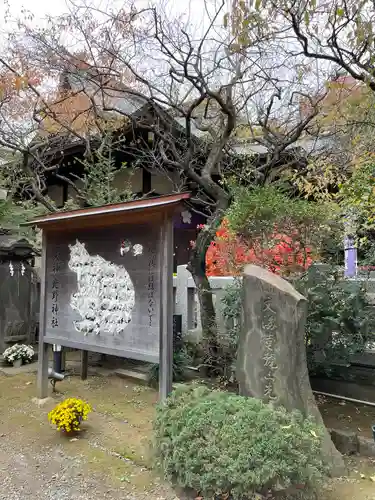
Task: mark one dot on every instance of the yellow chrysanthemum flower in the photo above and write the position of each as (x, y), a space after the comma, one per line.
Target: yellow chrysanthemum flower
(68, 414)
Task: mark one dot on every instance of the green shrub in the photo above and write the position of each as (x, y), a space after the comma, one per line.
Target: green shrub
(219, 443)
(340, 320)
(257, 213)
(181, 360)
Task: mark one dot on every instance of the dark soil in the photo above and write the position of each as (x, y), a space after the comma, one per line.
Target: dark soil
(340, 414)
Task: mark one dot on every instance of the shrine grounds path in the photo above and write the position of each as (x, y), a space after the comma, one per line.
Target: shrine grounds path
(111, 458)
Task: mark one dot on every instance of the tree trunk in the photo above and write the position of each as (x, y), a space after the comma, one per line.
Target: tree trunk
(197, 267)
(211, 360)
(272, 362)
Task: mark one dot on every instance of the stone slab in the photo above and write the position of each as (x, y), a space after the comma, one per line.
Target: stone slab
(346, 442)
(366, 447)
(132, 375)
(41, 402)
(28, 368)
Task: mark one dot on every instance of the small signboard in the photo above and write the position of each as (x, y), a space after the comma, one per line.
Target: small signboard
(107, 282)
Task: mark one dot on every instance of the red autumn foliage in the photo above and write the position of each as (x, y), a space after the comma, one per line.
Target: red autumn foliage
(284, 254)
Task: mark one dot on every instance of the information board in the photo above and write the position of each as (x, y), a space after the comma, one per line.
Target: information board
(103, 290)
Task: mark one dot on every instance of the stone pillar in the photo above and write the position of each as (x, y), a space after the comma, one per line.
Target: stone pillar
(182, 297)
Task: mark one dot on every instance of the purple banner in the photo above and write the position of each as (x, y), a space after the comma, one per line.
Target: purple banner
(350, 257)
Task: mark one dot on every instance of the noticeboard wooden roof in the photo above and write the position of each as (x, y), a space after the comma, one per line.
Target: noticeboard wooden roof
(109, 215)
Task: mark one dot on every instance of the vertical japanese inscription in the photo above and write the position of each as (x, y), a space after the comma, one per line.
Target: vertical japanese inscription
(269, 331)
(56, 266)
(151, 285)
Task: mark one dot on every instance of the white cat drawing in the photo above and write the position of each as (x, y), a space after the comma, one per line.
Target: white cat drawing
(105, 296)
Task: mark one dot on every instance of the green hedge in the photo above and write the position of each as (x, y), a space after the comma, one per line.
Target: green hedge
(220, 443)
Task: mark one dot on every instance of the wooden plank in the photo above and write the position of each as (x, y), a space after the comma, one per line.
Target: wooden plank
(42, 376)
(166, 309)
(101, 221)
(84, 364)
(120, 352)
(122, 213)
(156, 202)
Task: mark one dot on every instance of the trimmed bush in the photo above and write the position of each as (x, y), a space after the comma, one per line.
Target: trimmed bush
(219, 443)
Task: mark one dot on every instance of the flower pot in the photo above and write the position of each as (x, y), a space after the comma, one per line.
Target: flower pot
(17, 363)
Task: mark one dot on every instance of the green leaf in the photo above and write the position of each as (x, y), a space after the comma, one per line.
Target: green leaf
(307, 18)
(340, 12)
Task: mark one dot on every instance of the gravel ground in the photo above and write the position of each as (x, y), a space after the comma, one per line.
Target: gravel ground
(110, 458)
(43, 472)
(48, 474)
(38, 463)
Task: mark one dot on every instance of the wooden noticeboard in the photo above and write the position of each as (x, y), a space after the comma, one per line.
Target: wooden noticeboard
(107, 283)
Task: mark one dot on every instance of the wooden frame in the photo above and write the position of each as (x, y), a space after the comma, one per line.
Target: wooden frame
(166, 308)
(42, 377)
(160, 211)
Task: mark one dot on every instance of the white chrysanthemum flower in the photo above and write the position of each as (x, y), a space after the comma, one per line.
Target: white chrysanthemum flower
(18, 351)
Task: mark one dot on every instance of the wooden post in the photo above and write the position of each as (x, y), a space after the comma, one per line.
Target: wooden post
(42, 377)
(166, 309)
(84, 364)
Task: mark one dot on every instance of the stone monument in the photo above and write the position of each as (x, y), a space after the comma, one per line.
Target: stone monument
(272, 355)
